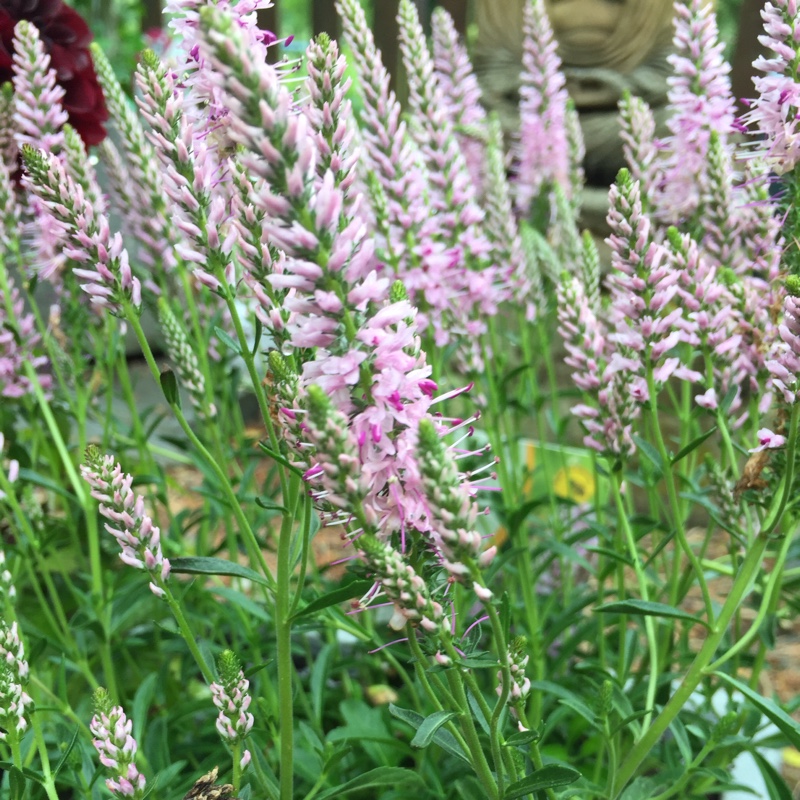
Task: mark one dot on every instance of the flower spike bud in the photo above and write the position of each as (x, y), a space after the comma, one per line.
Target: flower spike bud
(232, 697)
(15, 703)
(38, 113)
(329, 111)
(461, 92)
(405, 589)
(109, 278)
(453, 509)
(185, 361)
(8, 130)
(134, 530)
(520, 682)
(143, 182)
(638, 132)
(111, 731)
(542, 152)
(701, 101)
(80, 169)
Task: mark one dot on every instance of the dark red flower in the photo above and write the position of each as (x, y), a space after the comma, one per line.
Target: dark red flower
(66, 38)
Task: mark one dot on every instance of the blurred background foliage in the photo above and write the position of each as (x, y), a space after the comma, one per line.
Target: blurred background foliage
(124, 27)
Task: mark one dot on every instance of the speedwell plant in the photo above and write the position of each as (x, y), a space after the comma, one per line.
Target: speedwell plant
(500, 520)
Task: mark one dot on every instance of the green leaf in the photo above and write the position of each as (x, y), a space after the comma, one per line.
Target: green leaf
(34, 477)
(431, 724)
(206, 565)
(444, 739)
(270, 506)
(382, 777)
(776, 785)
(649, 452)
(141, 703)
(16, 781)
(479, 661)
(693, 445)
(257, 341)
(65, 754)
(787, 725)
(227, 340)
(523, 738)
(169, 385)
(30, 774)
(342, 594)
(319, 675)
(549, 776)
(648, 609)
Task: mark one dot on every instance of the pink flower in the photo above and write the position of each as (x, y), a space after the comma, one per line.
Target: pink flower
(117, 748)
(542, 150)
(774, 113)
(132, 527)
(767, 440)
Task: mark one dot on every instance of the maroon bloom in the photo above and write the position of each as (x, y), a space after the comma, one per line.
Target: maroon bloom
(66, 37)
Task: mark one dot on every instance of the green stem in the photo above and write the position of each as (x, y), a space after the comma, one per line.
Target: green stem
(251, 542)
(741, 586)
(649, 623)
(186, 631)
(675, 504)
(283, 627)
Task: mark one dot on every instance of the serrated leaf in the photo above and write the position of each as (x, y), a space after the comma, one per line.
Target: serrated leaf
(647, 608)
(207, 565)
(227, 340)
(430, 725)
(340, 595)
(550, 776)
(374, 779)
(444, 739)
(787, 725)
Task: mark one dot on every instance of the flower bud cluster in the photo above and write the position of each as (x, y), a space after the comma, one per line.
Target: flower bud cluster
(136, 181)
(407, 590)
(460, 92)
(8, 592)
(542, 150)
(38, 112)
(111, 281)
(15, 703)
(517, 663)
(133, 529)
(453, 509)
(329, 111)
(231, 696)
(117, 748)
(604, 376)
(702, 104)
(190, 172)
